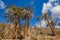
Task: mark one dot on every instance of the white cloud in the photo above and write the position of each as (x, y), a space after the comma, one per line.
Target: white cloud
(56, 4)
(57, 26)
(2, 5)
(46, 7)
(37, 25)
(52, 1)
(54, 9)
(43, 23)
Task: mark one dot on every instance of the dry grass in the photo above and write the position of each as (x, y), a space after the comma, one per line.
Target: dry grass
(40, 34)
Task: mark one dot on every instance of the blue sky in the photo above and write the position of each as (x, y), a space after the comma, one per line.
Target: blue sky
(39, 7)
(36, 6)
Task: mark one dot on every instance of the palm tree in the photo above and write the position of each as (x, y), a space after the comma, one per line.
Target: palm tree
(39, 18)
(58, 23)
(14, 16)
(27, 14)
(51, 24)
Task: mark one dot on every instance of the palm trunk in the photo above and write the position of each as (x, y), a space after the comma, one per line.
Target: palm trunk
(12, 25)
(26, 27)
(51, 26)
(18, 30)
